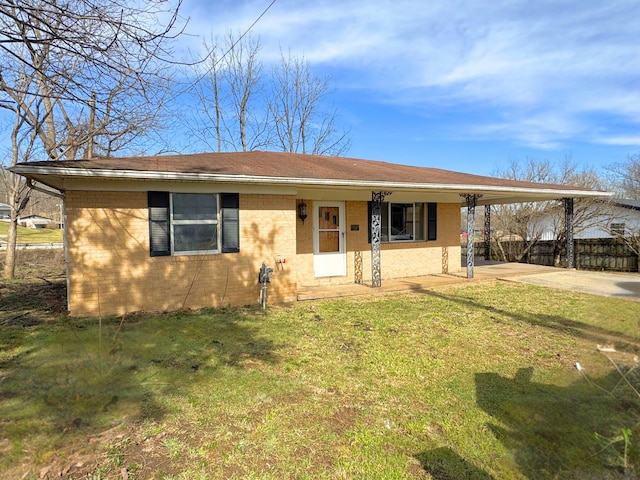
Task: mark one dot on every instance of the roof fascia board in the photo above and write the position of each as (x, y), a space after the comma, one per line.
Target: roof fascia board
(119, 185)
(28, 170)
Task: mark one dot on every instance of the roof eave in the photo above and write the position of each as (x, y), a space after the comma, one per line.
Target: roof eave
(35, 172)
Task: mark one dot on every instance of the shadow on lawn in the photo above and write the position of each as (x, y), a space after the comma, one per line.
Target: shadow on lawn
(78, 377)
(557, 432)
(560, 432)
(31, 303)
(552, 322)
(445, 464)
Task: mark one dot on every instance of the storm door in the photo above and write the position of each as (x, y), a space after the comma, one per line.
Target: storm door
(329, 257)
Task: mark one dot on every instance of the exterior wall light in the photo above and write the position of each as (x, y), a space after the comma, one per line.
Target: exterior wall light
(302, 211)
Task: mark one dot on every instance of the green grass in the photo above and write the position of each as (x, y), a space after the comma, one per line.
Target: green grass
(32, 235)
(461, 382)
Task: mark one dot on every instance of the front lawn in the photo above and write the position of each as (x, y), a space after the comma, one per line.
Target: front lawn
(472, 382)
(32, 235)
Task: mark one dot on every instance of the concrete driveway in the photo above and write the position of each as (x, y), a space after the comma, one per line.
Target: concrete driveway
(608, 284)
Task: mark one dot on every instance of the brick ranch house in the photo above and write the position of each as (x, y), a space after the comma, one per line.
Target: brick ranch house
(189, 231)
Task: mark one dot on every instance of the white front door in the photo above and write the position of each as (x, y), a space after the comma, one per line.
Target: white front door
(329, 257)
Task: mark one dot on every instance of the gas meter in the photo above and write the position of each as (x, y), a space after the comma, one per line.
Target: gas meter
(264, 278)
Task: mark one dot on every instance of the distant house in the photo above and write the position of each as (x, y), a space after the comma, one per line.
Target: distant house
(34, 221)
(191, 231)
(5, 211)
(609, 220)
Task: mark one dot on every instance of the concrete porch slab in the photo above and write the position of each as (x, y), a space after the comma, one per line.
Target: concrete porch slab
(483, 272)
(596, 283)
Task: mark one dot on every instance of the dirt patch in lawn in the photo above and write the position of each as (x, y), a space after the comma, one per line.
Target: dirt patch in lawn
(28, 303)
(38, 292)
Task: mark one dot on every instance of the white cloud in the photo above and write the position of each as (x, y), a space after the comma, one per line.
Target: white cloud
(539, 130)
(630, 141)
(551, 67)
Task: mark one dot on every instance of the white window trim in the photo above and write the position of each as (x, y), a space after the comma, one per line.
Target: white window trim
(424, 223)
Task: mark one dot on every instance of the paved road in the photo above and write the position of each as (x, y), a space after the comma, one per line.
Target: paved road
(33, 246)
(596, 283)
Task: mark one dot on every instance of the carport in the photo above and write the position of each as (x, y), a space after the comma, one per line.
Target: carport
(475, 199)
(494, 192)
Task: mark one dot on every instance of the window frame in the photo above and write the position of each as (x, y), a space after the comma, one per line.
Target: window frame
(618, 228)
(385, 224)
(162, 221)
(393, 210)
(213, 221)
(429, 222)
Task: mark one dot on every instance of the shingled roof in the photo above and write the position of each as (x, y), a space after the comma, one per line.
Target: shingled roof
(300, 170)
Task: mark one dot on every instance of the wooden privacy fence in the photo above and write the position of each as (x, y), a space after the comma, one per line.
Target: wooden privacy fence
(593, 254)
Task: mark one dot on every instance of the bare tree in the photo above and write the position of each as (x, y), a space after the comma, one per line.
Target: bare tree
(22, 145)
(620, 221)
(533, 221)
(628, 235)
(103, 37)
(518, 227)
(242, 108)
(625, 177)
(301, 125)
(230, 93)
(243, 75)
(210, 98)
(79, 78)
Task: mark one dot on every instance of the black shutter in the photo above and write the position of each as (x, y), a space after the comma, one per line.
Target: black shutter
(230, 209)
(159, 239)
(432, 221)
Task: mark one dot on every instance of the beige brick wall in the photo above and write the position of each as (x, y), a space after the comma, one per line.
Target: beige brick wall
(398, 260)
(111, 272)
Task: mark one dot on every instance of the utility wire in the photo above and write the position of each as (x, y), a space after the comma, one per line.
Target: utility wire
(244, 34)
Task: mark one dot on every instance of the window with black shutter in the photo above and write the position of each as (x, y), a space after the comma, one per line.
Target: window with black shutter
(230, 203)
(400, 222)
(159, 235)
(193, 223)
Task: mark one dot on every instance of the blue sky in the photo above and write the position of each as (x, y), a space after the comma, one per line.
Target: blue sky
(461, 85)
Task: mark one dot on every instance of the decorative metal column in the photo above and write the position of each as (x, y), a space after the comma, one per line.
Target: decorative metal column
(568, 225)
(357, 267)
(487, 232)
(445, 260)
(471, 201)
(376, 230)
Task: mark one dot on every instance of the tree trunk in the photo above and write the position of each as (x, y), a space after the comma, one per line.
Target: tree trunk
(503, 256)
(12, 235)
